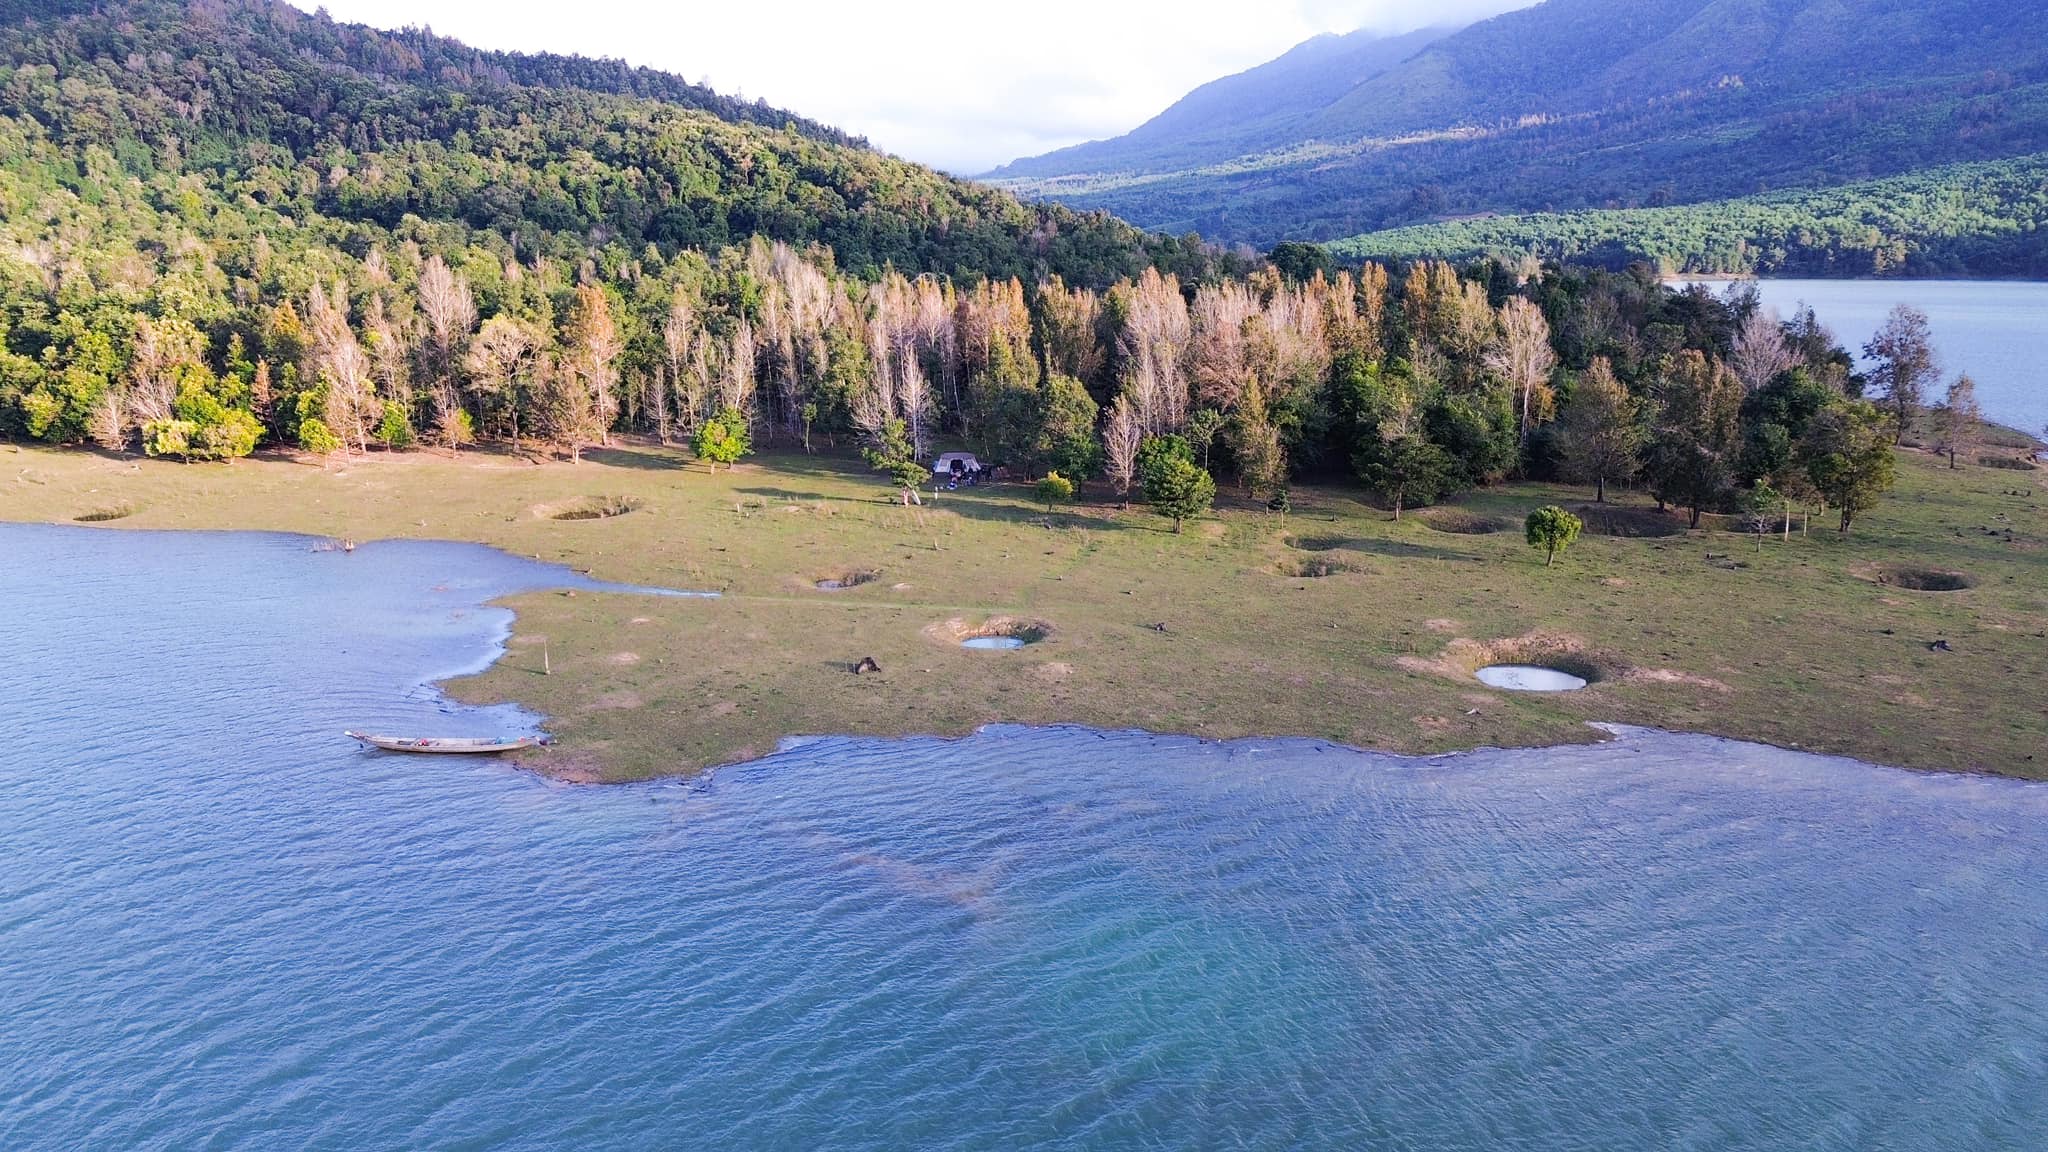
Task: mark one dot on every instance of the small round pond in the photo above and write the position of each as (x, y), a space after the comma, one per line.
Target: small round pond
(1530, 678)
(995, 642)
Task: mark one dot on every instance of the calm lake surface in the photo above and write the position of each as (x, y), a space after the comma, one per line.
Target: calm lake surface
(1997, 331)
(223, 926)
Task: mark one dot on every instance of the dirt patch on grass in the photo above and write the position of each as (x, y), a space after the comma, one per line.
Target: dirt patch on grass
(615, 702)
(1673, 676)
(1463, 523)
(592, 508)
(1643, 523)
(958, 630)
(1924, 579)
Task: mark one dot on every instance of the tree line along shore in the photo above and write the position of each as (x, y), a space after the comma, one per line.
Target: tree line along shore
(1417, 383)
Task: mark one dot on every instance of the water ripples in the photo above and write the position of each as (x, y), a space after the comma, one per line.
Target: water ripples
(223, 925)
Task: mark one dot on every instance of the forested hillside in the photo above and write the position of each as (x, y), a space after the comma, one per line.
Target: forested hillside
(1986, 219)
(1578, 104)
(1237, 114)
(217, 236)
(236, 116)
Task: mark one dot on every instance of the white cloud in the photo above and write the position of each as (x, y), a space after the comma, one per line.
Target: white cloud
(963, 86)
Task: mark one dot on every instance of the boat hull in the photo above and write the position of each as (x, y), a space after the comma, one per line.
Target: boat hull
(446, 746)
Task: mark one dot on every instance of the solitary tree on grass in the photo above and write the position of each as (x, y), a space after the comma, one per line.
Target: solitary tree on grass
(1175, 485)
(1959, 419)
(723, 439)
(1904, 351)
(1054, 489)
(1551, 529)
(1405, 469)
(893, 453)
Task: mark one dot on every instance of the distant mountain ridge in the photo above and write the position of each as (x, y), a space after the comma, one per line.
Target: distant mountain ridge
(1222, 118)
(1576, 104)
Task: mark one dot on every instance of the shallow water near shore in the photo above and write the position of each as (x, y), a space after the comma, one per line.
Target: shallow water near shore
(223, 925)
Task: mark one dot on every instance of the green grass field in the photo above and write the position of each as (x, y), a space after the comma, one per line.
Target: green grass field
(1810, 643)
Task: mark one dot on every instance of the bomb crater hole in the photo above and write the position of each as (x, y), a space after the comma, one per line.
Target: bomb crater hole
(1529, 678)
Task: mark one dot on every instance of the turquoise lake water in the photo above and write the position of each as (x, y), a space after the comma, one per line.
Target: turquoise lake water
(224, 926)
(1995, 330)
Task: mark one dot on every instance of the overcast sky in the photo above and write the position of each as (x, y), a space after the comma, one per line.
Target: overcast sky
(954, 83)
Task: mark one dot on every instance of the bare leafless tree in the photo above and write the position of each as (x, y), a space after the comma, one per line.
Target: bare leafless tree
(1121, 436)
(678, 337)
(1522, 356)
(450, 313)
(501, 364)
(594, 347)
(1760, 354)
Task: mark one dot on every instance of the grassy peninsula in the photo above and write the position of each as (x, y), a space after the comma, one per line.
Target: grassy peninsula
(1809, 643)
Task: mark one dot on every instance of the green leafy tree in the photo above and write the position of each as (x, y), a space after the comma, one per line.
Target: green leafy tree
(1054, 489)
(1406, 469)
(317, 438)
(1261, 460)
(1203, 426)
(1175, 486)
(394, 431)
(1848, 457)
(1066, 441)
(1155, 453)
(1904, 352)
(1551, 530)
(723, 438)
(893, 453)
(1697, 439)
(1601, 433)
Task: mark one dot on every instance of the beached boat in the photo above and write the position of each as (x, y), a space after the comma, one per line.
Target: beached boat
(448, 745)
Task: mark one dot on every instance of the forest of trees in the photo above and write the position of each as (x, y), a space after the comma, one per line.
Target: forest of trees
(227, 224)
(1988, 219)
(1418, 384)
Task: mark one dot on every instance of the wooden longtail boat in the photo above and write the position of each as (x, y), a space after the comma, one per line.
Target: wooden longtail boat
(455, 746)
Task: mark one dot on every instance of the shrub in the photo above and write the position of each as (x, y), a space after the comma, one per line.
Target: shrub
(723, 439)
(1552, 529)
(1055, 489)
(395, 430)
(317, 438)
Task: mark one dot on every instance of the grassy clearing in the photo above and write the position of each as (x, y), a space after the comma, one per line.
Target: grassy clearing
(1222, 632)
